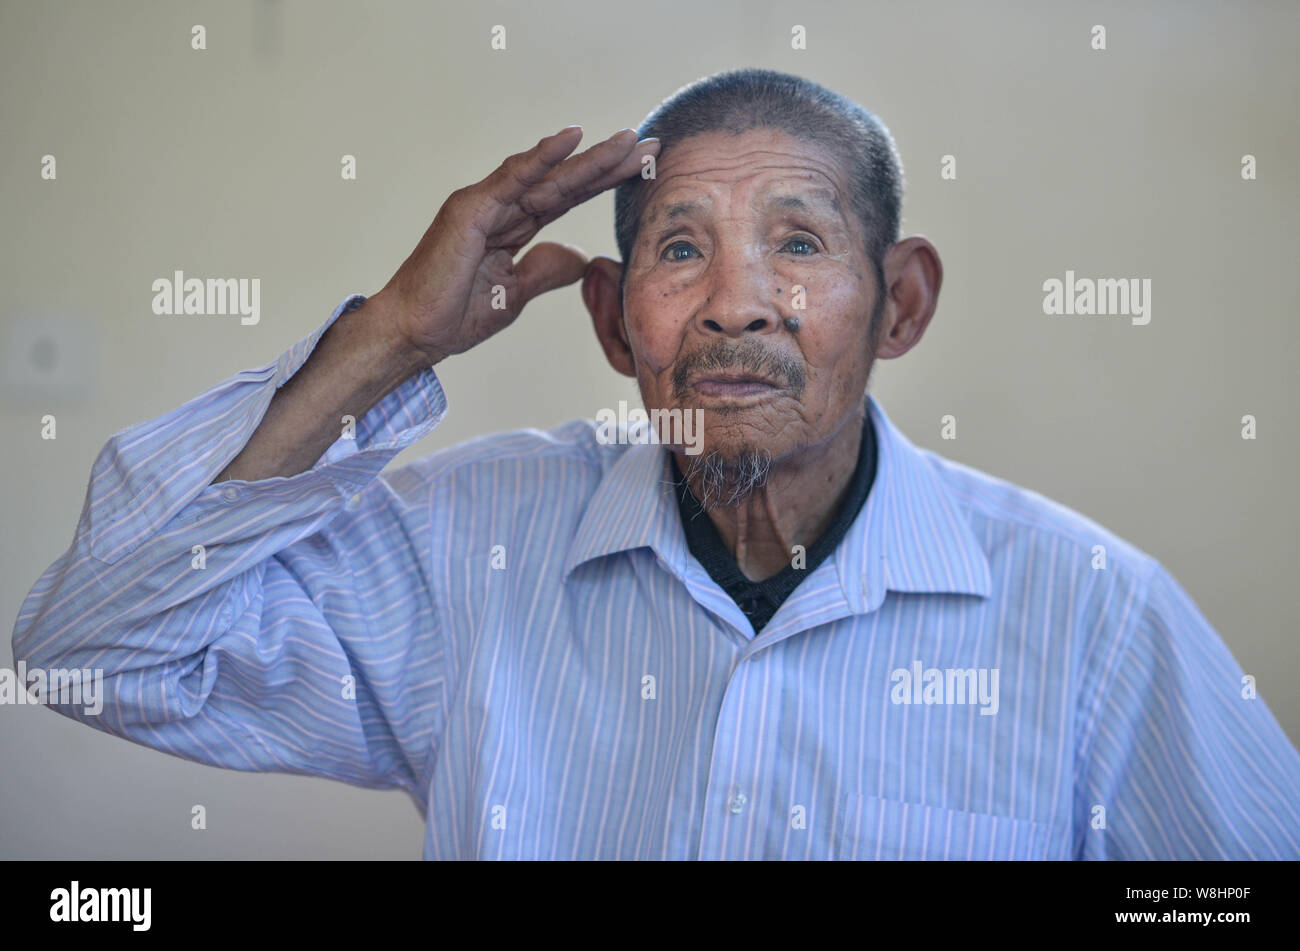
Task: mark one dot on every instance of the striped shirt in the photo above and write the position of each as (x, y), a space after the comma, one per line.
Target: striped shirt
(514, 632)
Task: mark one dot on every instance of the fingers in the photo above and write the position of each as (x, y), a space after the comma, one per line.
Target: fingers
(584, 176)
(549, 265)
(558, 183)
(523, 170)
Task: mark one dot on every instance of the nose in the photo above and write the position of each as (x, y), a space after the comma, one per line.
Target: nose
(742, 299)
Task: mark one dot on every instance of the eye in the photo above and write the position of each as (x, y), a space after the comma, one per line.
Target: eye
(806, 242)
(670, 251)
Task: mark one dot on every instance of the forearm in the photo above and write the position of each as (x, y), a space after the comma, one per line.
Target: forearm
(175, 593)
(358, 361)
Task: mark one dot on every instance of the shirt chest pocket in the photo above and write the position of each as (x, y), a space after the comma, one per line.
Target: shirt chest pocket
(871, 828)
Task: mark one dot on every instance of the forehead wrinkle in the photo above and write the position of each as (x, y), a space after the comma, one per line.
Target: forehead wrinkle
(825, 196)
(792, 157)
(817, 198)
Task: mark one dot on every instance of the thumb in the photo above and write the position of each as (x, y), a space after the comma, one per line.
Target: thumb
(549, 265)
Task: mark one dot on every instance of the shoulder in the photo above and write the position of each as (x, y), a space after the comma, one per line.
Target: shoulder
(516, 467)
(1121, 607)
(1012, 519)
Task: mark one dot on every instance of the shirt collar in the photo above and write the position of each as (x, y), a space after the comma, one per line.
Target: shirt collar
(911, 535)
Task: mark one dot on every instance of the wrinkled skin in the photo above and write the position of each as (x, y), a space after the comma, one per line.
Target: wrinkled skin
(717, 282)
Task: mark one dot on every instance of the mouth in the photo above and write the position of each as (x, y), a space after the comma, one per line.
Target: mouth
(733, 385)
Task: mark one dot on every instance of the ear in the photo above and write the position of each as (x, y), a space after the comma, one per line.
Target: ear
(600, 294)
(913, 275)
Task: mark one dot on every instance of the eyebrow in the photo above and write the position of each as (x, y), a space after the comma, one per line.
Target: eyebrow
(678, 209)
(795, 203)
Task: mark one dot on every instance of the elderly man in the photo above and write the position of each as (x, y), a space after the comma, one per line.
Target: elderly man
(810, 639)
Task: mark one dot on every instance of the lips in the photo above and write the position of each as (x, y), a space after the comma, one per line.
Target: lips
(732, 384)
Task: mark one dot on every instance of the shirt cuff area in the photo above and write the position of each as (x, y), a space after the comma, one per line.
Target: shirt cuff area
(161, 471)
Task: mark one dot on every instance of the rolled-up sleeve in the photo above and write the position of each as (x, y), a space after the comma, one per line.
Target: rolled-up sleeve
(1184, 759)
(284, 624)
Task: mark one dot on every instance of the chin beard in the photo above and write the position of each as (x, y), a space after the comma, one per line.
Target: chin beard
(728, 480)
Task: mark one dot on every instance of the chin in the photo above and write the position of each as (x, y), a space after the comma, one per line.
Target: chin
(733, 450)
(728, 477)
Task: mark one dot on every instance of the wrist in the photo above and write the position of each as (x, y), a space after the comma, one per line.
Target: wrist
(402, 353)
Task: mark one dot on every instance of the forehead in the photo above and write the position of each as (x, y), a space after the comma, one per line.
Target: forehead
(768, 169)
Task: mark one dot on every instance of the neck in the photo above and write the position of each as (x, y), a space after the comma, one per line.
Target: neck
(794, 507)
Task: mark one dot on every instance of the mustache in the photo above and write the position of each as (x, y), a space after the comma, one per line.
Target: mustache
(748, 356)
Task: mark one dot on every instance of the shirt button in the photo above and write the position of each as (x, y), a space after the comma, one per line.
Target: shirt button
(230, 493)
(736, 804)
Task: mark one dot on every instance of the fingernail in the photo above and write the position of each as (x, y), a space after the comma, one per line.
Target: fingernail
(567, 128)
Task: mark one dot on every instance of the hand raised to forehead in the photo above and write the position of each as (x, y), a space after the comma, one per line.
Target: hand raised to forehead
(531, 190)
(461, 284)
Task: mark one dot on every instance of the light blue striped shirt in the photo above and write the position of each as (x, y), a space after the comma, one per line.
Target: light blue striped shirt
(513, 631)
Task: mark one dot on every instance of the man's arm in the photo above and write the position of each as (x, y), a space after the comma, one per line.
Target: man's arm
(238, 609)
(457, 288)
(359, 360)
(1184, 760)
(252, 625)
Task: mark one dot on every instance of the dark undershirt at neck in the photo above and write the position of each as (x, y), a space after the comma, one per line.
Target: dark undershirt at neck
(759, 600)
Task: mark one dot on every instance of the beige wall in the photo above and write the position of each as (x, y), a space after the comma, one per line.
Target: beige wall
(1122, 163)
